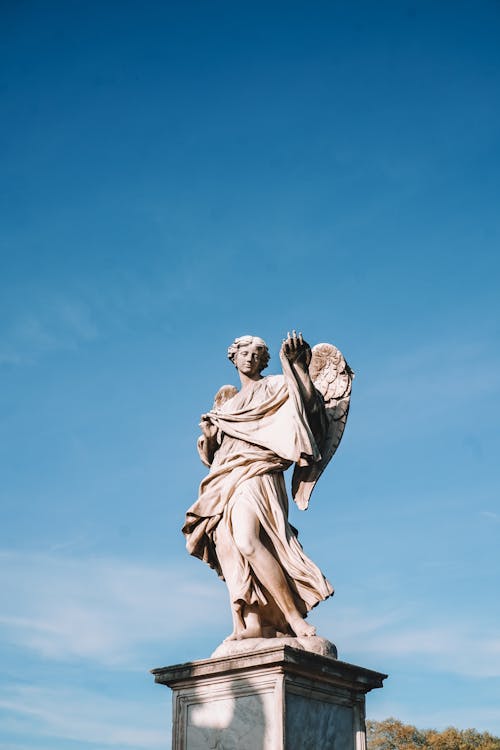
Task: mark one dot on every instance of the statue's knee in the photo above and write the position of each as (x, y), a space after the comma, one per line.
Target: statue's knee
(246, 546)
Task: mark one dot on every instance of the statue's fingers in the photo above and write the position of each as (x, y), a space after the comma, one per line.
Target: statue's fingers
(301, 340)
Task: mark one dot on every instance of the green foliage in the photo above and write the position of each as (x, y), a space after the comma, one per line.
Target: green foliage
(392, 734)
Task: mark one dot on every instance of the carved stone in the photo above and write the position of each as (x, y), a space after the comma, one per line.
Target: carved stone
(277, 698)
(272, 684)
(239, 524)
(312, 643)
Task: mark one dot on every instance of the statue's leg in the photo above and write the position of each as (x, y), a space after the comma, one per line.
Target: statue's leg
(246, 534)
(231, 564)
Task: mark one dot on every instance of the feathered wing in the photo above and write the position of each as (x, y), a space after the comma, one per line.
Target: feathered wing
(224, 393)
(332, 378)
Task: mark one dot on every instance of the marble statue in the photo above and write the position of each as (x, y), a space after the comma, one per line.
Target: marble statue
(239, 523)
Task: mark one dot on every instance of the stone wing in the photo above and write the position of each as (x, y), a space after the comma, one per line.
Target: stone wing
(332, 378)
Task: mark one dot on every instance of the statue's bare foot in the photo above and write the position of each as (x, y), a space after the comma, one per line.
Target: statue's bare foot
(236, 635)
(301, 628)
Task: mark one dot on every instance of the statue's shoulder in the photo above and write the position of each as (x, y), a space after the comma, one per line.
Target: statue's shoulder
(279, 378)
(274, 382)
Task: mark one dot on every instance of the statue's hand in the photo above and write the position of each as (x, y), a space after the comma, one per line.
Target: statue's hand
(208, 428)
(296, 350)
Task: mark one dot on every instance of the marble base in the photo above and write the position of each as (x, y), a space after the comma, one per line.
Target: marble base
(275, 698)
(314, 643)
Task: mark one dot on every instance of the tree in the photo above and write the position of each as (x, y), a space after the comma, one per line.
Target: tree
(392, 734)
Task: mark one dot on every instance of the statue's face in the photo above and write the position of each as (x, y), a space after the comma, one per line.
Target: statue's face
(248, 359)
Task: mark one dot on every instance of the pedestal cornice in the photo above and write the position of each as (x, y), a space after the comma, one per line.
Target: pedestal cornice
(283, 659)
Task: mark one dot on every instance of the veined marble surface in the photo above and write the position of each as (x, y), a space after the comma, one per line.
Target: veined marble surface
(243, 723)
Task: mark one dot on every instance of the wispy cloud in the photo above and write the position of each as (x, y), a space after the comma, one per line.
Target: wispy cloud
(61, 324)
(490, 515)
(37, 321)
(104, 610)
(425, 385)
(79, 715)
(469, 647)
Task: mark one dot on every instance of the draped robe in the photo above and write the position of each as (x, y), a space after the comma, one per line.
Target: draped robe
(262, 430)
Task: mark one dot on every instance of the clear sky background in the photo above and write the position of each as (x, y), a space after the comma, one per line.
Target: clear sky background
(177, 174)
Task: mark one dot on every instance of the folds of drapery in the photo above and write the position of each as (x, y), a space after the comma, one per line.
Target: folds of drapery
(263, 429)
(270, 413)
(268, 498)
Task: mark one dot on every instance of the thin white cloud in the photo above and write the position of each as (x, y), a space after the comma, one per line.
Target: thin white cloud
(80, 715)
(36, 322)
(469, 651)
(96, 613)
(426, 384)
(104, 610)
(61, 324)
(107, 611)
(470, 647)
(490, 515)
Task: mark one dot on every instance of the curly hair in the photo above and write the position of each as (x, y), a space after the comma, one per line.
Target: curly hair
(249, 341)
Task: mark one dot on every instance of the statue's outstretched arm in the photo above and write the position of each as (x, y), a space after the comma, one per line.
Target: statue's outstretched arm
(298, 353)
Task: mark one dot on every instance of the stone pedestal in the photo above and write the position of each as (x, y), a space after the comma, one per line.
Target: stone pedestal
(278, 698)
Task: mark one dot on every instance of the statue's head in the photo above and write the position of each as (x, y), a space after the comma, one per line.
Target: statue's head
(253, 343)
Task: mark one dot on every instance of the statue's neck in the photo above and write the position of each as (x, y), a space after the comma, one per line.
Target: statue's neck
(247, 381)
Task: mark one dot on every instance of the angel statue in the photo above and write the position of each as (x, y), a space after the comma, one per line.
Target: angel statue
(239, 524)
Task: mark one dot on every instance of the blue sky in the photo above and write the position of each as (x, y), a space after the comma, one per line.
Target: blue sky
(175, 175)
